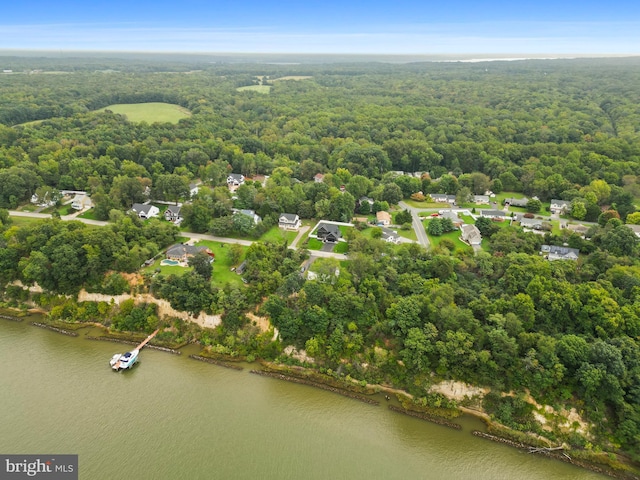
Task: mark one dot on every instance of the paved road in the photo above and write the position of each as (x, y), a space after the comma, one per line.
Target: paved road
(417, 224)
(196, 237)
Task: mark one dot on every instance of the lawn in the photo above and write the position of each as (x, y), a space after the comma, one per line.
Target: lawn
(222, 273)
(89, 214)
(453, 236)
(266, 89)
(341, 247)
(410, 234)
(165, 269)
(150, 112)
(66, 210)
(414, 204)
(313, 244)
(276, 235)
(24, 221)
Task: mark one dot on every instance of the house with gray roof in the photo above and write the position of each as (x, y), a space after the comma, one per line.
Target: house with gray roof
(390, 236)
(289, 221)
(470, 234)
(532, 223)
(145, 211)
(497, 214)
(516, 202)
(559, 206)
(442, 198)
(249, 213)
(172, 214)
(481, 199)
(181, 252)
(235, 179)
(553, 252)
(328, 232)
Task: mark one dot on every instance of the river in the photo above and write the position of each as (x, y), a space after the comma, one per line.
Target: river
(172, 417)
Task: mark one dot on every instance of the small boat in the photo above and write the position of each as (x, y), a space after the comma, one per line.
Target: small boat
(124, 361)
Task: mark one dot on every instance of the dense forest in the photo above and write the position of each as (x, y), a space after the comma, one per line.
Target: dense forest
(566, 332)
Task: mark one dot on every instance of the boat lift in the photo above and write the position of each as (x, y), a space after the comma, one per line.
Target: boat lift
(127, 360)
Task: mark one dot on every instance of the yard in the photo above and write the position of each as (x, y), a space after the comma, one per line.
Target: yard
(222, 273)
(276, 235)
(454, 236)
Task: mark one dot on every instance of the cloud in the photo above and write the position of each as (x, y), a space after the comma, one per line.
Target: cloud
(488, 37)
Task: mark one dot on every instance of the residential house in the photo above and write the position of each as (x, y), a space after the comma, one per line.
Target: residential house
(470, 234)
(251, 214)
(481, 199)
(579, 229)
(389, 235)
(318, 178)
(532, 223)
(172, 214)
(181, 252)
(145, 211)
(553, 252)
(368, 200)
(516, 202)
(194, 188)
(442, 198)
(235, 179)
(451, 215)
(494, 214)
(289, 221)
(634, 228)
(383, 219)
(328, 232)
(81, 201)
(559, 206)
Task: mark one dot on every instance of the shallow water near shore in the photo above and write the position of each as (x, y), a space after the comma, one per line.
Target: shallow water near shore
(172, 417)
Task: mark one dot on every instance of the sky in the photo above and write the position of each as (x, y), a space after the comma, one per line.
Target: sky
(307, 26)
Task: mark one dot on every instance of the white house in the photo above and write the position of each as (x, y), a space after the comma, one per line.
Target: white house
(81, 201)
(383, 218)
(497, 214)
(251, 214)
(470, 234)
(145, 211)
(193, 189)
(289, 221)
(389, 235)
(442, 198)
(559, 206)
(172, 214)
(235, 179)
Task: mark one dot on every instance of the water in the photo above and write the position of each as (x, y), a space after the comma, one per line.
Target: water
(175, 418)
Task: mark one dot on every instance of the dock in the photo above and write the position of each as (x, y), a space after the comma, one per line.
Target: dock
(130, 357)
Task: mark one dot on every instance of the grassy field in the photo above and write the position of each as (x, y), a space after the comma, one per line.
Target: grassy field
(314, 244)
(222, 273)
(414, 204)
(89, 214)
(266, 89)
(150, 112)
(24, 221)
(276, 235)
(341, 247)
(453, 236)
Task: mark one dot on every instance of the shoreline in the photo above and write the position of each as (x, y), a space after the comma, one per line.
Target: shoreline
(273, 371)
